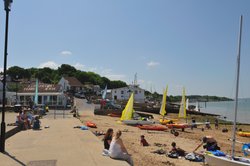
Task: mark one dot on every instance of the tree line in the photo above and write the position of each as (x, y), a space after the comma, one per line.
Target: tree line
(52, 76)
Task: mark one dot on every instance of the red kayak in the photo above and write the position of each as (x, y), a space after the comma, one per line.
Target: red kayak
(178, 125)
(114, 114)
(152, 127)
(91, 124)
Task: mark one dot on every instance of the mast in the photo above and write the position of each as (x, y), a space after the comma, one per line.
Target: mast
(237, 88)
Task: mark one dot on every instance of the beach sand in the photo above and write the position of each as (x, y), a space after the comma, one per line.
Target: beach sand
(143, 156)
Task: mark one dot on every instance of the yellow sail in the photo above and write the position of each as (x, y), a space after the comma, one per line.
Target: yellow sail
(163, 103)
(127, 113)
(182, 111)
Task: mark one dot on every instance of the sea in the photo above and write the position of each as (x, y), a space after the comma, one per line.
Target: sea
(226, 109)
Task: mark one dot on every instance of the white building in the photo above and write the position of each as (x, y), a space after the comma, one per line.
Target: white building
(49, 94)
(125, 92)
(70, 84)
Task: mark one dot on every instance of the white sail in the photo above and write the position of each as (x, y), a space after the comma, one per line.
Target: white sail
(187, 104)
(182, 110)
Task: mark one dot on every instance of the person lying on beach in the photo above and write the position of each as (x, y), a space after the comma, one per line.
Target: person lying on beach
(143, 141)
(117, 149)
(209, 143)
(108, 138)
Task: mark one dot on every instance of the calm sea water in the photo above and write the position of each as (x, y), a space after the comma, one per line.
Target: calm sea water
(226, 109)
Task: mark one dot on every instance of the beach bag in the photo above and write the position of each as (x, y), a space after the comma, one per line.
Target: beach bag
(246, 149)
(173, 155)
(193, 157)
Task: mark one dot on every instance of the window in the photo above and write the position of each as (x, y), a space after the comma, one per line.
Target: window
(122, 92)
(136, 92)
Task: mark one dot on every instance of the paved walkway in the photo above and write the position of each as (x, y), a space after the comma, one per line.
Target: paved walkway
(60, 145)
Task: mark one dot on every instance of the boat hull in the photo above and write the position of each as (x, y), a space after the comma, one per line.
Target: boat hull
(137, 122)
(166, 121)
(244, 134)
(212, 160)
(151, 127)
(178, 125)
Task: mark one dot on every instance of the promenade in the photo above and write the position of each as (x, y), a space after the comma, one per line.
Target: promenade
(58, 144)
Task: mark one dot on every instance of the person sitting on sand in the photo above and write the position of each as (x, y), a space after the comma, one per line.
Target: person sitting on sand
(24, 118)
(36, 123)
(210, 144)
(144, 141)
(179, 151)
(117, 149)
(108, 138)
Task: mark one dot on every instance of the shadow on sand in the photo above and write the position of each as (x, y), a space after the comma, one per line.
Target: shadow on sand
(14, 158)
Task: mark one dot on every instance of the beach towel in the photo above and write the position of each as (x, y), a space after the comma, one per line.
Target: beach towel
(173, 155)
(194, 157)
(84, 128)
(246, 149)
(217, 153)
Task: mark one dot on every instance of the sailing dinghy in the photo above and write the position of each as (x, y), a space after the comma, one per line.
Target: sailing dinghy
(127, 114)
(213, 160)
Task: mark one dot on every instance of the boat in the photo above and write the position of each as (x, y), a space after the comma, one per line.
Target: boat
(231, 160)
(197, 107)
(163, 111)
(104, 93)
(244, 134)
(166, 121)
(128, 112)
(152, 127)
(182, 110)
(114, 114)
(178, 125)
(91, 124)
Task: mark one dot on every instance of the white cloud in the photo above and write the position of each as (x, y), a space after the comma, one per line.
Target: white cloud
(115, 76)
(152, 64)
(1, 69)
(49, 64)
(66, 53)
(92, 69)
(141, 81)
(79, 66)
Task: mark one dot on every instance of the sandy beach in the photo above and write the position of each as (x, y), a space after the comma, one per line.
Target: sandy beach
(143, 156)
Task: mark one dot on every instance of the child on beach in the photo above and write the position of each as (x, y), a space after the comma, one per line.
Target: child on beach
(144, 141)
(36, 123)
(179, 151)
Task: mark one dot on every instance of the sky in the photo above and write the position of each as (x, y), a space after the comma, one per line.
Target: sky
(179, 43)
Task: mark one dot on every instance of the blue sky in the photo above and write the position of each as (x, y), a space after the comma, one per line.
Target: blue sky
(178, 43)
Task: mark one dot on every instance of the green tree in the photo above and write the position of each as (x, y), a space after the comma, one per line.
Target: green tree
(66, 70)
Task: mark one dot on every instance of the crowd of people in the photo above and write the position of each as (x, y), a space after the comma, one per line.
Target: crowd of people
(114, 147)
(26, 120)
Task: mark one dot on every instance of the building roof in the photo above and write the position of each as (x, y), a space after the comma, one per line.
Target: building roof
(73, 81)
(42, 87)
